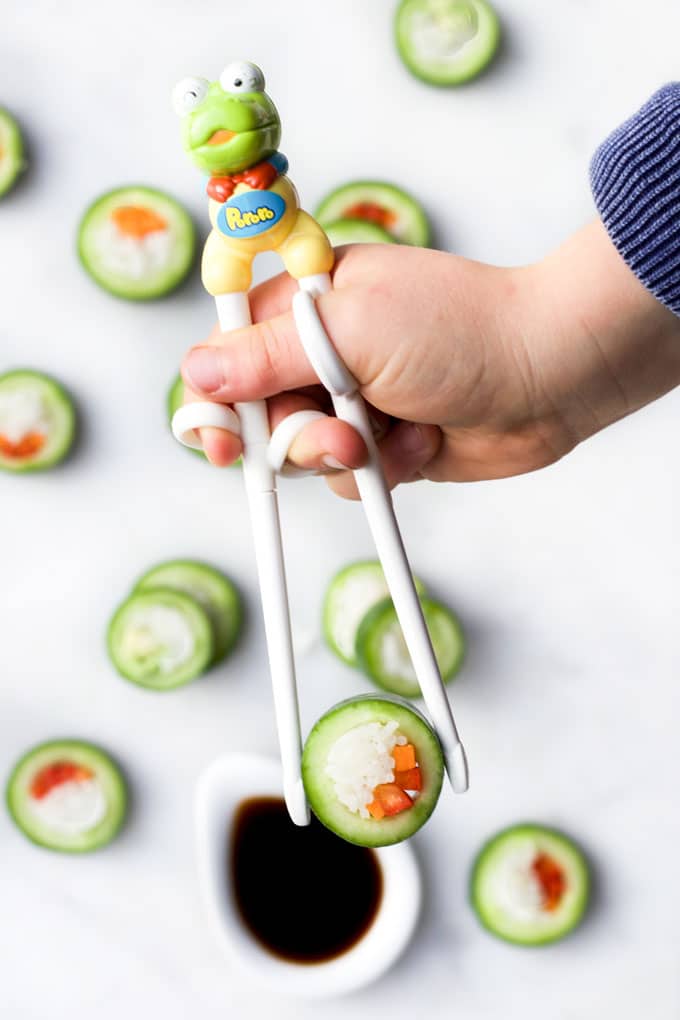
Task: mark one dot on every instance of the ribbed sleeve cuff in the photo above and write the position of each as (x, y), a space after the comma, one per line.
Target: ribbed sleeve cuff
(635, 180)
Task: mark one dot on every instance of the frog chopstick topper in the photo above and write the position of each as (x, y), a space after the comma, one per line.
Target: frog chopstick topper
(231, 131)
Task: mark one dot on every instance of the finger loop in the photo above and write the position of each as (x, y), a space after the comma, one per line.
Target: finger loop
(199, 415)
(283, 437)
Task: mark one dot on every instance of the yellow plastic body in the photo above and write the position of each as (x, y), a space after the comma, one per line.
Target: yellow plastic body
(297, 237)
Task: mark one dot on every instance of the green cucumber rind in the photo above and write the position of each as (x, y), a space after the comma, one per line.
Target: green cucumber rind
(64, 401)
(329, 208)
(169, 283)
(452, 79)
(581, 870)
(327, 607)
(374, 234)
(352, 828)
(115, 818)
(14, 149)
(367, 629)
(226, 618)
(200, 662)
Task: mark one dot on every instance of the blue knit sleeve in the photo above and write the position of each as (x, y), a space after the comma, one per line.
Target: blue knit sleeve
(635, 180)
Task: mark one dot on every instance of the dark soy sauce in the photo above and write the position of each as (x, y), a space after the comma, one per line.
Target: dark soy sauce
(304, 893)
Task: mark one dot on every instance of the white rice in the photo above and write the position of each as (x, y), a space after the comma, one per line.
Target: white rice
(516, 887)
(440, 36)
(360, 760)
(394, 656)
(159, 631)
(351, 601)
(22, 411)
(134, 257)
(72, 807)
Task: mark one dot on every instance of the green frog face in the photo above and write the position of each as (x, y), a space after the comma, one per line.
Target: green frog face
(230, 124)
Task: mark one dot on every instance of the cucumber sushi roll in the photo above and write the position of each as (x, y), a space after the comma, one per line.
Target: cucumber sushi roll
(382, 204)
(446, 42)
(372, 770)
(356, 231)
(530, 885)
(160, 639)
(210, 588)
(382, 653)
(11, 151)
(67, 795)
(351, 593)
(37, 421)
(136, 242)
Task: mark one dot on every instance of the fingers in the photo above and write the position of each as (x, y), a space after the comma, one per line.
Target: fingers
(247, 364)
(322, 445)
(267, 358)
(404, 452)
(273, 297)
(250, 364)
(221, 448)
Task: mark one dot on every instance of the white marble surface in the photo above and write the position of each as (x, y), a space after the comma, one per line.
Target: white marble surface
(567, 580)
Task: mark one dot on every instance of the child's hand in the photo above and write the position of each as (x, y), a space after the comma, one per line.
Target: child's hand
(479, 372)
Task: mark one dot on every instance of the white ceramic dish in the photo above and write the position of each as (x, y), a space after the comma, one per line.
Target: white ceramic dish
(222, 787)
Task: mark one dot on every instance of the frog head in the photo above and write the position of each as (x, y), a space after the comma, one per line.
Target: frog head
(230, 124)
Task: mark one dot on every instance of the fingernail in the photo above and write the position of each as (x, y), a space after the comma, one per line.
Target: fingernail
(413, 439)
(203, 368)
(332, 462)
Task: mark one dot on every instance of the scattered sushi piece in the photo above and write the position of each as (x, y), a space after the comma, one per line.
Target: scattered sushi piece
(351, 593)
(372, 770)
(137, 242)
(160, 639)
(446, 42)
(12, 160)
(530, 885)
(382, 654)
(67, 795)
(211, 589)
(357, 231)
(379, 203)
(37, 421)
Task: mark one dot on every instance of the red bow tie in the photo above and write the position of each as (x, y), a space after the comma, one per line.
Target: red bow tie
(258, 177)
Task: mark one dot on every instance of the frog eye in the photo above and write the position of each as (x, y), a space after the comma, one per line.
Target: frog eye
(187, 94)
(242, 77)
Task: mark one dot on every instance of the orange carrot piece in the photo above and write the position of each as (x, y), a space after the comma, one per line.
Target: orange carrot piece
(136, 220)
(372, 212)
(28, 445)
(375, 809)
(55, 774)
(409, 779)
(392, 798)
(404, 757)
(551, 878)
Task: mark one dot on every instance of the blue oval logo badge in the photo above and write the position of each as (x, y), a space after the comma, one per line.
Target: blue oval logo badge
(250, 213)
